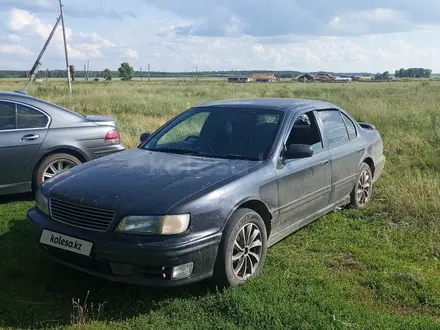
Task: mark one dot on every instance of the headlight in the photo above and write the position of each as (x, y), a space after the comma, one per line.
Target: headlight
(42, 203)
(162, 225)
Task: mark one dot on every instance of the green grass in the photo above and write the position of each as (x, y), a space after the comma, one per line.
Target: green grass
(373, 269)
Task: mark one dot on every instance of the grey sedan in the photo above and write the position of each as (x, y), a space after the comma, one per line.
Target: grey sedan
(38, 140)
(207, 194)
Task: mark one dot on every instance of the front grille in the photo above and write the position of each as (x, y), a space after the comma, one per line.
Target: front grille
(81, 216)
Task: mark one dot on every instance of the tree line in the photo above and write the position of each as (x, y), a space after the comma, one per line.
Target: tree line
(129, 72)
(413, 73)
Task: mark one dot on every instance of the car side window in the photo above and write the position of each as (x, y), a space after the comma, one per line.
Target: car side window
(352, 133)
(7, 116)
(30, 118)
(305, 130)
(334, 127)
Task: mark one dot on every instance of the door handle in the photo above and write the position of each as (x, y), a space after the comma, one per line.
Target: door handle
(30, 137)
(325, 163)
(360, 151)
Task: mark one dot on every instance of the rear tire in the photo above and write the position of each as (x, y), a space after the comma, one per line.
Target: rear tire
(243, 249)
(363, 188)
(52, 165)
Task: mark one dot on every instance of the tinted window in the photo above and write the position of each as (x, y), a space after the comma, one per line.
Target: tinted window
(220, 132)
(30, 118)
(186, 129)
(7, 116)
(352, 134)
(305, 131)
(334, 127)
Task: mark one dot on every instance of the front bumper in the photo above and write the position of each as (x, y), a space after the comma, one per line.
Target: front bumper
(111, 256)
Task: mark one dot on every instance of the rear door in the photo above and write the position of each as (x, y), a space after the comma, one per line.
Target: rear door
(346, 151)
(22, 131)
(304, 184)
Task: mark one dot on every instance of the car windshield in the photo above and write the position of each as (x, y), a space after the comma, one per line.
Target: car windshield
(231, 133)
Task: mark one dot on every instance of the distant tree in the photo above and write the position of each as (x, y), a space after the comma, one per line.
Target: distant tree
(378, 76)
(386, 75)
(414, 73)
(126, 71)
(397, 74)
(107, 74)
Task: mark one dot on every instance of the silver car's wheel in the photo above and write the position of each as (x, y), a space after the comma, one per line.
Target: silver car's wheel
(364, 187)
(247, 251)
(51, 166)
(56, 167)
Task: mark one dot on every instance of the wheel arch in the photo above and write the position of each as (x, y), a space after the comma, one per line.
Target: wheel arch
(60, 150)
(369, 161)
(259, 207)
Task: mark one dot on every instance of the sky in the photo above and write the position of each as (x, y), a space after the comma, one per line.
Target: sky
(180, 35)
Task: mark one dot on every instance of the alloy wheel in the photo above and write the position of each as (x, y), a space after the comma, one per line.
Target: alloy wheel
(247, 251)
(56, 167)
(364, 187)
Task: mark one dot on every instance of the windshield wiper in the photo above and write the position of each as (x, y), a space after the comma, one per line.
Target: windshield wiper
(176, 151)
(234, 156)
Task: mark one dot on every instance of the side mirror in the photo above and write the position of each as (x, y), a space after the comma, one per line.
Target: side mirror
(295, 151)
(145, 136)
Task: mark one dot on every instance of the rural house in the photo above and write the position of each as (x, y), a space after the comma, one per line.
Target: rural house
(239, 79)
(264, 77)
(315, 77)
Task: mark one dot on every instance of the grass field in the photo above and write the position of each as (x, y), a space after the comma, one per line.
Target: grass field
(373, 269)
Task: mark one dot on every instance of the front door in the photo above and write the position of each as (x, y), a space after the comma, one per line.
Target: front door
(304, 184)
(22, 130)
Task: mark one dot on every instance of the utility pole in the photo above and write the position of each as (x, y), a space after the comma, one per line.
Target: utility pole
(196, 73)
(37, 64)
(88, 67)
(149, 75)
(85, 72)
(65, 48)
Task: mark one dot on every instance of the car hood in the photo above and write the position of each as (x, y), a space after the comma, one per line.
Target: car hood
(140, 181)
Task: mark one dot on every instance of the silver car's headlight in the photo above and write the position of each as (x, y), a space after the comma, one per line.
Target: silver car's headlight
(161, 225)
(42, 202)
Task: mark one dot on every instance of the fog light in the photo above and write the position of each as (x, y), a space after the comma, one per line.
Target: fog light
(122, 269)
(182, 271)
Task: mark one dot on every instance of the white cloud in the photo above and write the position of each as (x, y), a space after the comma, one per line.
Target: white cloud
(131, 53)
(14, 38)
(369, 21)
(96, 38)
(14, 49)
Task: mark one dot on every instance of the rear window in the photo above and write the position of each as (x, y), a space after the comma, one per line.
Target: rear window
(30, 118)
(334, 127)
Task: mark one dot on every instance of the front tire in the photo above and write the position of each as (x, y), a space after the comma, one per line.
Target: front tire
(52, 165)
(363, 188)
(243, 249)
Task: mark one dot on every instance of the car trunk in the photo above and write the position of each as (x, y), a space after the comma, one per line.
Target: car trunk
(103, 120)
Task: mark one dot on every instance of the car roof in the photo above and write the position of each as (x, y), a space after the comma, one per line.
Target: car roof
(281, 104)
(16, 94)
